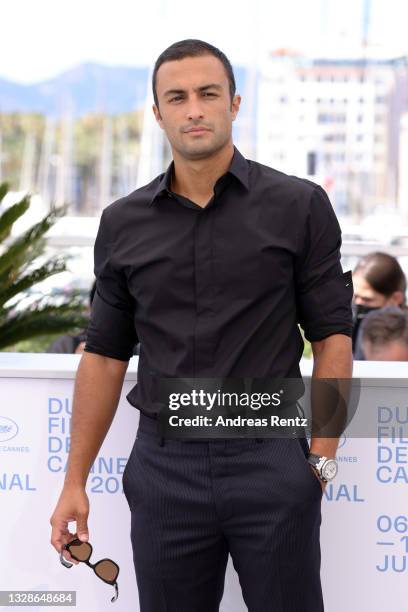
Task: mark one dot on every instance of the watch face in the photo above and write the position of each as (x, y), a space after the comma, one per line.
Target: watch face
(329, 469)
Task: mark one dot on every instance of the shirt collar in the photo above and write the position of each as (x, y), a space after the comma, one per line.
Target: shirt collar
(238, 168)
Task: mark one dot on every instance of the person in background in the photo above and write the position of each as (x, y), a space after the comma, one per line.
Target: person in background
(378, 281)
(384, 334)
(68, 343)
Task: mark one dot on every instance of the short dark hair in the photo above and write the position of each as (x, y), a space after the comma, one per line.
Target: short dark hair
(192, 47)
(382, 272)
(385, 325)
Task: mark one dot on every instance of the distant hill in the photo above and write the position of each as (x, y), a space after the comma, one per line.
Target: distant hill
(86, 88)
(89, 87)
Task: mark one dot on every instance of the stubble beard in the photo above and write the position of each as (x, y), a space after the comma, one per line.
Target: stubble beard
(203, 150)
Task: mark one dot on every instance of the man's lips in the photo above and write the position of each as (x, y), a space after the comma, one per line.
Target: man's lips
(197, 129)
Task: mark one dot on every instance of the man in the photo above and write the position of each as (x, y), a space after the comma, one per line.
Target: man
(384, 334)
(211, 266)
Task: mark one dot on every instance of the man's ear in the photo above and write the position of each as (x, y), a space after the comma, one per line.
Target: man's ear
(396, 298)
(236, 101)
(157, 115)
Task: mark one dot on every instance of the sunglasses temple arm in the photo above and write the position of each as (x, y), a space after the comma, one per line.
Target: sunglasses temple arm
(65, 563)
(114, 598)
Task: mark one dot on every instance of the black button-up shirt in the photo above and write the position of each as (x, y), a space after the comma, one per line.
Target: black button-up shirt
(218, 291)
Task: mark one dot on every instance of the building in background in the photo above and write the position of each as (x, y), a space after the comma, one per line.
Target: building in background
(403, 166)
(336, 122)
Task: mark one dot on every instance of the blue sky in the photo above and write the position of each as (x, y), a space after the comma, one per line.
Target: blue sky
(40, 39)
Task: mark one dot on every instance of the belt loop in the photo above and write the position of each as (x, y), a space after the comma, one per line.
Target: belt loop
(161, 441)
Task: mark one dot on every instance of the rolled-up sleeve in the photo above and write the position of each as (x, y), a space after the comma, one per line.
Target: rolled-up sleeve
(323, 291)
(111, 330)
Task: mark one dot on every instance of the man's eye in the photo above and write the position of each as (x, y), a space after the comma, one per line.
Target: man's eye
(209, 93)
(176, 98)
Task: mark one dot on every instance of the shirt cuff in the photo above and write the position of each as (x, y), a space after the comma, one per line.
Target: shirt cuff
(326, 309)
(111, 331)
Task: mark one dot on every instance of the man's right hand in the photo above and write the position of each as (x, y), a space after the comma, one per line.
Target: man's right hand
(73, 505)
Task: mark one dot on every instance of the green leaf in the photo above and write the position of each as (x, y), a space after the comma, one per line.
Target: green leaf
(27, 281)
(10, 216)
(4, 188)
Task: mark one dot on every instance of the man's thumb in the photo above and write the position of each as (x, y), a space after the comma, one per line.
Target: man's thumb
(82, 531)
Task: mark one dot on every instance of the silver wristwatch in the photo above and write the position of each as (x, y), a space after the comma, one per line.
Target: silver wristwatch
(325, 468)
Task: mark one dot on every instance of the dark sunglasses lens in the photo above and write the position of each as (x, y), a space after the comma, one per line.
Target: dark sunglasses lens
(82, 551)
(106, 570)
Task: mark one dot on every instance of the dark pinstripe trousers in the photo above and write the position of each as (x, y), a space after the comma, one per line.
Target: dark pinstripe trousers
(194, 502)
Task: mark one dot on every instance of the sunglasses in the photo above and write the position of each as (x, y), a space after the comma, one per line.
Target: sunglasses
(106, 569)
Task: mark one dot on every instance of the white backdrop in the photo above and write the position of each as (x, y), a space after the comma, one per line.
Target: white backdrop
(365, 511)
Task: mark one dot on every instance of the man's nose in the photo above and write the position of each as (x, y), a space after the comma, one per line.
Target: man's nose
(195, 109)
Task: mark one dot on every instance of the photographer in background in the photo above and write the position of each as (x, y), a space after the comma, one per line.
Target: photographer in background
(378, 281)
(68, 343)
(384, 334)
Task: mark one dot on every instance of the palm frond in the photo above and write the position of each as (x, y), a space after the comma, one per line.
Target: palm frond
(53, 319)
(7, 291)
(21, 246)
(4, 188)
(11, 214)
(22, 266)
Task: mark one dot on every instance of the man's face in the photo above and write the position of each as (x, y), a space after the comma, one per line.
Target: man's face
(365, 295)
(395, 350)
(194, 105)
